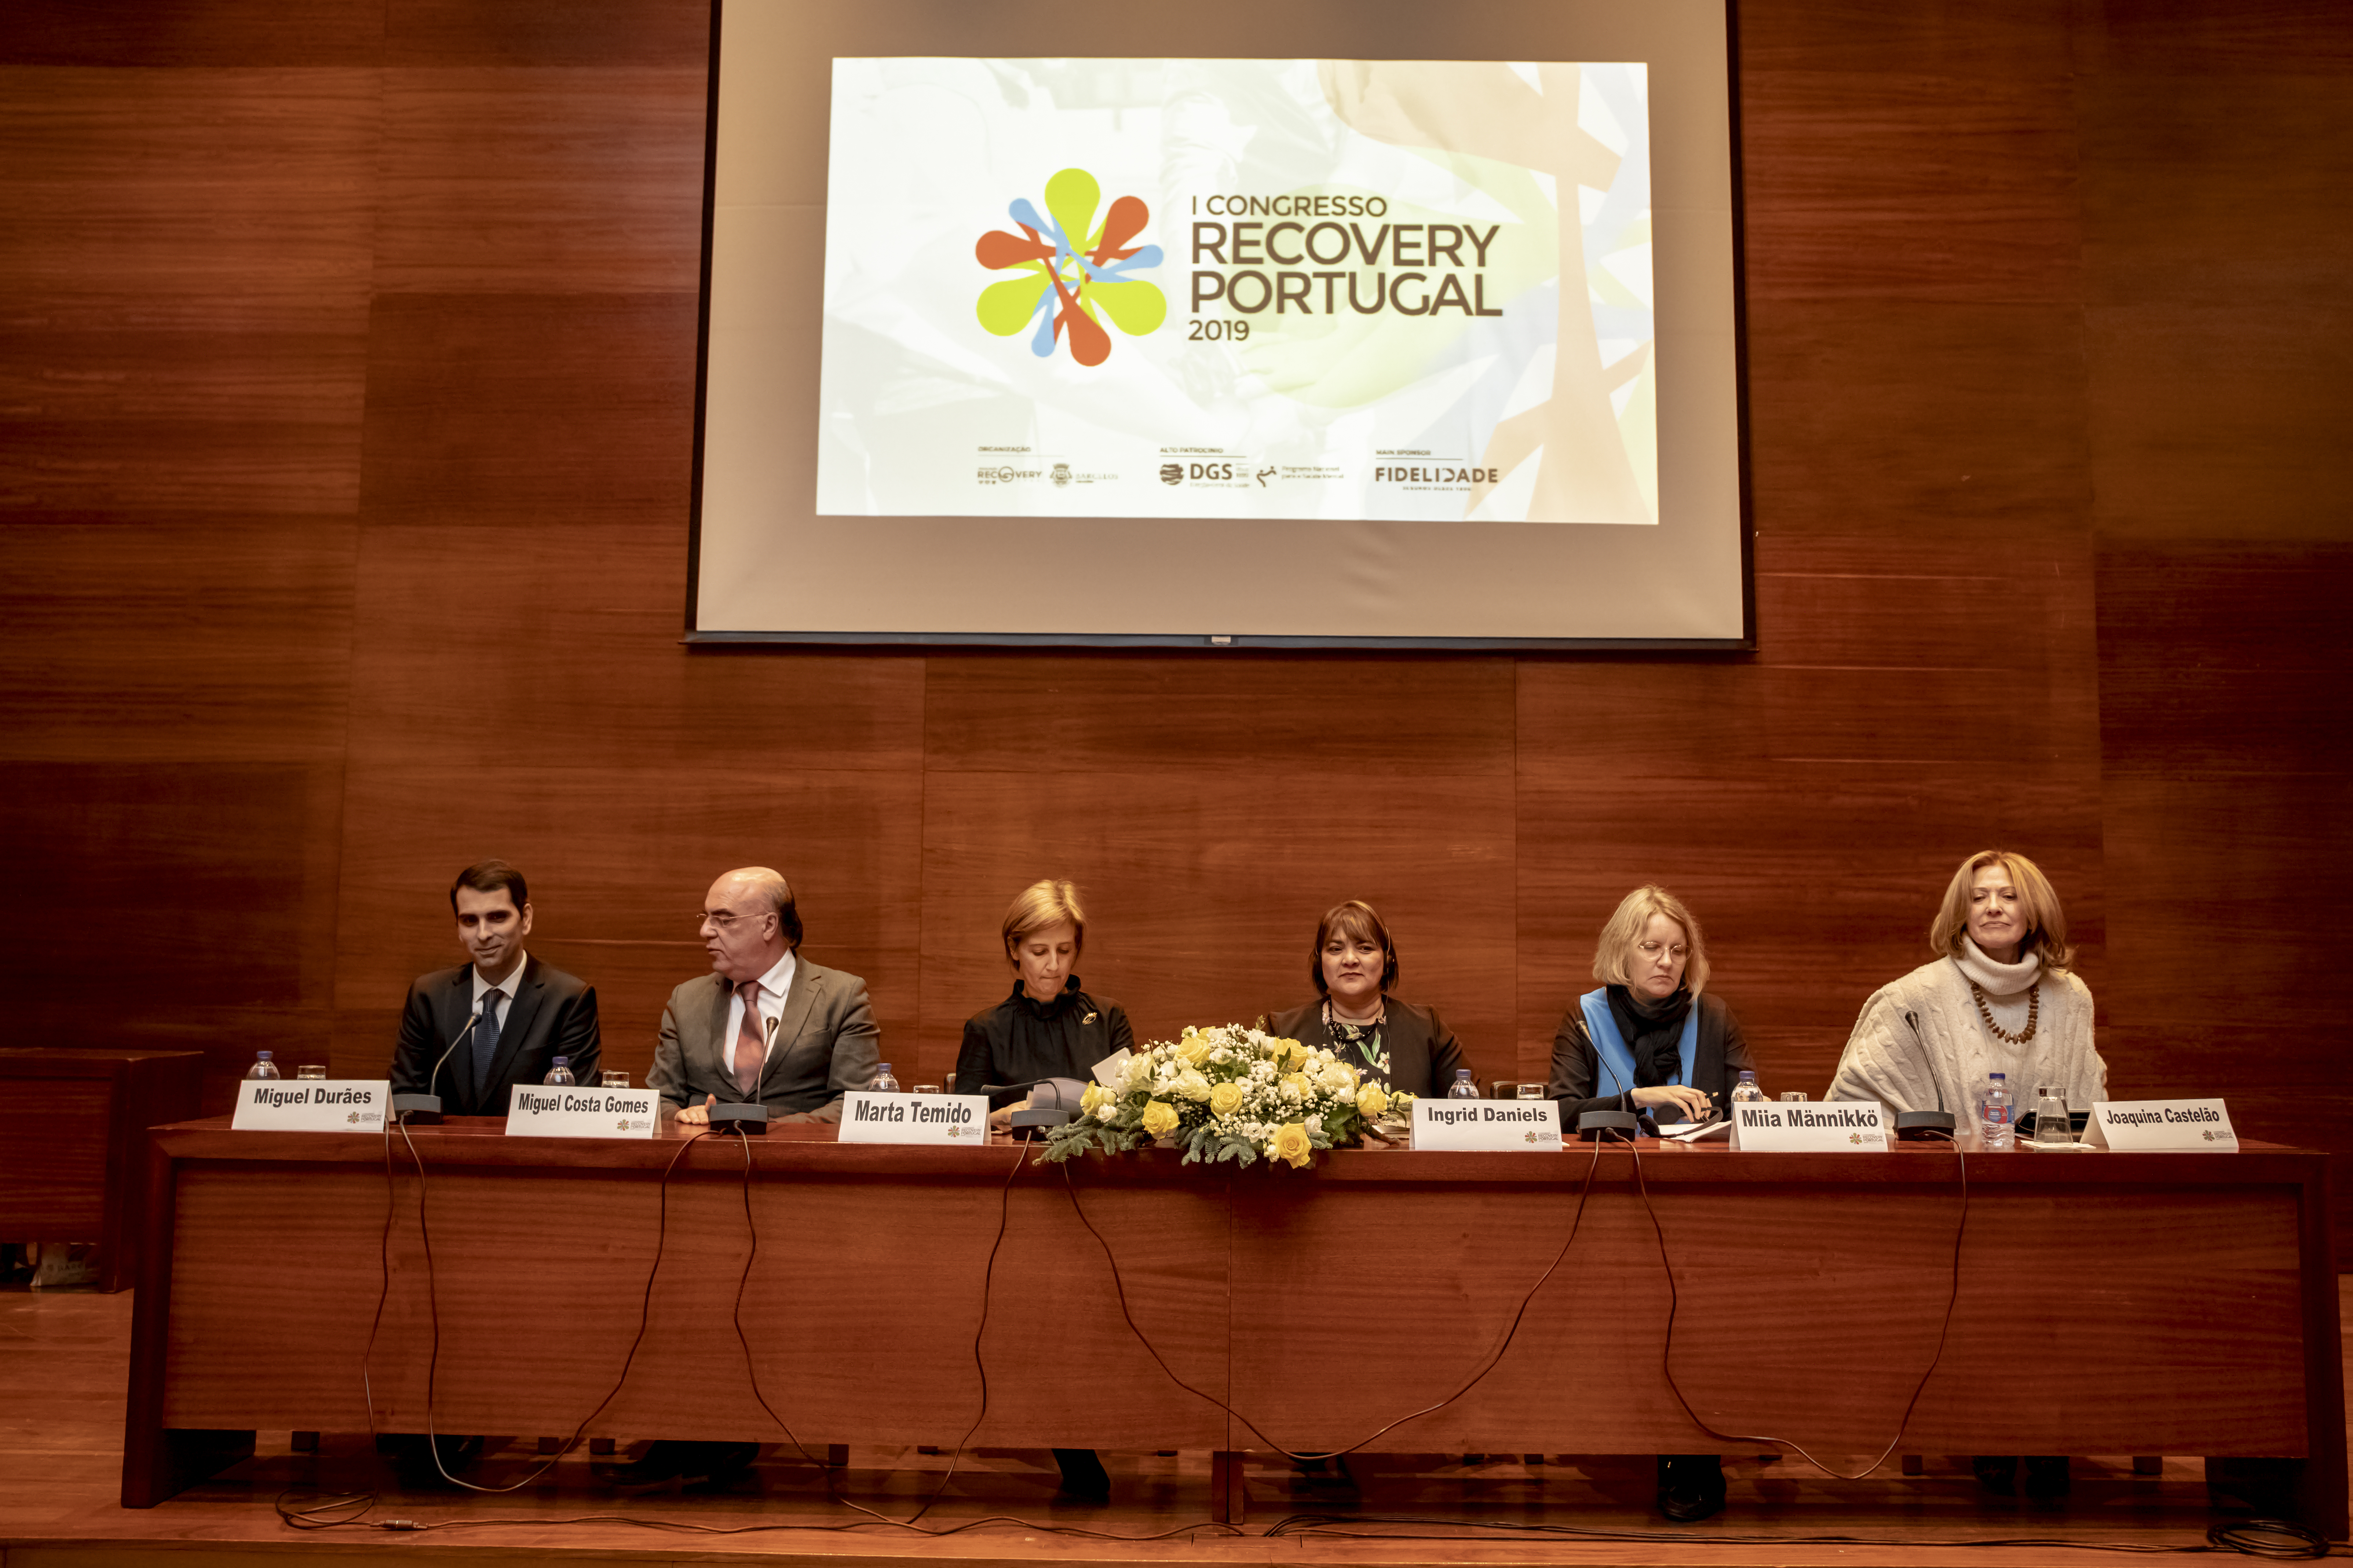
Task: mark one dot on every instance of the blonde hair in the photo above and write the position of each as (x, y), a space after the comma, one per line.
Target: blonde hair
(2046, 922)
(1046, 902)
(1625, 929)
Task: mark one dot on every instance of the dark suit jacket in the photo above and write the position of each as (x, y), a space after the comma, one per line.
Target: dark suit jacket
(553, 1014)
(1423, 1052)
(1718, 1057)
(825, 1043)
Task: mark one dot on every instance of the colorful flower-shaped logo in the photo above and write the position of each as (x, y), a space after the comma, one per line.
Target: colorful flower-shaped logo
(1084, 267)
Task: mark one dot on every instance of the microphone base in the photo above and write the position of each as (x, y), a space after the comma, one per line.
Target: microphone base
(417, 1109)
(750, 1119)
(1613, 1126)
(1922, 1126)
(1028, 1126)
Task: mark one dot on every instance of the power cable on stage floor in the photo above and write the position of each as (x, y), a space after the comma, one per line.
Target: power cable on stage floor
(2270, 1538)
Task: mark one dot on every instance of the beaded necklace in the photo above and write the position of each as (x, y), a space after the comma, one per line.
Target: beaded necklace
(2033, 1007)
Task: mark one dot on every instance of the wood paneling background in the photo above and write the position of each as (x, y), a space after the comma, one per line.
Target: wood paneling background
(347, 365)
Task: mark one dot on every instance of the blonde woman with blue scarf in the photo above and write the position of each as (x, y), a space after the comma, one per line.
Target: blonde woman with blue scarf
(1650, 1042)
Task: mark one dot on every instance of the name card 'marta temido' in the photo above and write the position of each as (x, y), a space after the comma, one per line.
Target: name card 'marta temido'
(868, 1118)
(2200, 1126)
(579, 1110)
(310, 1105)
(1521, 1125)
(1843, 1126)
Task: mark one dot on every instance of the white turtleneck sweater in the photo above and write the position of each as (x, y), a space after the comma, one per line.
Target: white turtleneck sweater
(1920, 1042)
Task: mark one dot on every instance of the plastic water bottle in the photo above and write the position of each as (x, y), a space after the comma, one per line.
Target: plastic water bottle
(561, 1072)
(1746, 1092)
(263, 1067)
(1462, 1088)
(1997, 1113)
(883, 1083)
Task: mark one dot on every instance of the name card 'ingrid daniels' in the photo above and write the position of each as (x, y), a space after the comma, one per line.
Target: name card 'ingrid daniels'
(1843, 1126)
(537, 1110)
(2200, 1126)
(1521, 1125)
(310, 1105)
(914, 1118)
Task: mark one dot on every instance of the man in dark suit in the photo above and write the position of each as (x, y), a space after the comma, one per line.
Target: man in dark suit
(525, 1012)
(766, 1024)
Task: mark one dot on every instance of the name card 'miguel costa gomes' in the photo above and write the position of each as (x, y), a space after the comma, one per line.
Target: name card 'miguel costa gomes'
(1841, 1126)
(579, 1110)
(310, 1105)
(868, 1118)
(2200, 1126)
(1523, 1126)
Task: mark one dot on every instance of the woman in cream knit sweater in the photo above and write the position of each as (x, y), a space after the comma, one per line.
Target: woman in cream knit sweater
(1997, 999)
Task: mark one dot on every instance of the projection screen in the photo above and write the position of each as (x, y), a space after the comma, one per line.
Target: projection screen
(1287, 324)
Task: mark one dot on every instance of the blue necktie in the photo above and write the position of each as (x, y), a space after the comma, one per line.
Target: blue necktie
(486, 1046)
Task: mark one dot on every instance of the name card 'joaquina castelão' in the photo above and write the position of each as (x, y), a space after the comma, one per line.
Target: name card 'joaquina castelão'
(310, 1105)
(2198, 1126)
(914, 1118)
(1525, 1126)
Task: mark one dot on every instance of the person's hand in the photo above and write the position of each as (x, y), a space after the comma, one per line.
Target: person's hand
(1001, 1118)
(1694, 1102)
(697, 1115)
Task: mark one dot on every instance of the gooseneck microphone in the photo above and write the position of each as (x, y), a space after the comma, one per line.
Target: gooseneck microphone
(748, 1116)
(1625, 1121)
(424, 1109)
(1924, 1126)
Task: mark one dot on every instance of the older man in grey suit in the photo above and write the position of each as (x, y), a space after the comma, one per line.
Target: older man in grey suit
(766, 1024)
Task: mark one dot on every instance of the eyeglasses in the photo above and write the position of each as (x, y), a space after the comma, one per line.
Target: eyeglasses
(718, 919)
(1652, 949)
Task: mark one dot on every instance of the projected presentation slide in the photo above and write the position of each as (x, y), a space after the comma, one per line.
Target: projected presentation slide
(1281, 288)
(1305, 348)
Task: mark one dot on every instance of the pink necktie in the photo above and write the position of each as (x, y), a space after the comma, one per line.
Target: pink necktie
(751, 1040)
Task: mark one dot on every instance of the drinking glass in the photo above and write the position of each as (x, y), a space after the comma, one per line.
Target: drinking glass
(613, 1079)
(1532, 1091)
(927, 1088)
(311, 1070)
(1793, 1095)
(2050, 1124)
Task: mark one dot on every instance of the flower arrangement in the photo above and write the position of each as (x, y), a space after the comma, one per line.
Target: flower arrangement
(1229, 1093)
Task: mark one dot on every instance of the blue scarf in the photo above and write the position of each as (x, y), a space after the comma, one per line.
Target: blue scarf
(1617, 1075)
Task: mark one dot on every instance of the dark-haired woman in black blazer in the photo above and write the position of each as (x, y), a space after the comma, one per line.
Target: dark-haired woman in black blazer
(1354, 963)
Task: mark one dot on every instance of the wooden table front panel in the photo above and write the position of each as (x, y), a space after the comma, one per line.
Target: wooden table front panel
(53, 1145)
(861, 1311)
(2091, 1319)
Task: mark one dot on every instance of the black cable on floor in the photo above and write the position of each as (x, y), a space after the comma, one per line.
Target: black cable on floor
(2258, 1538)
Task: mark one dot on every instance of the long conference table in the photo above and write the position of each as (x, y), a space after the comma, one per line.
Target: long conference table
(2108, 1303)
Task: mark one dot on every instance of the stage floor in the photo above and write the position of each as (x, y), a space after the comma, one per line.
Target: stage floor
(62, 1356)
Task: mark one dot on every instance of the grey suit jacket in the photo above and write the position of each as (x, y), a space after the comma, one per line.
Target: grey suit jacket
(825, 1043)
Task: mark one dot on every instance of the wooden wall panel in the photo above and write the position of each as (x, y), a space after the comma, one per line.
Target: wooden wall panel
(2216, 151)
(346, 357)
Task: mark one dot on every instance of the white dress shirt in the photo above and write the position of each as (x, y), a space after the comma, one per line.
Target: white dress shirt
(774, 985)
(506, 990)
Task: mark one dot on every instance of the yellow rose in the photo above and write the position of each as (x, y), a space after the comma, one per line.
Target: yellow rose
(1299, 1053)
(1160, 1118)
(1371, 1101)
(1291, 1144)
(1192, 1085)
(1192, 1049)
(1226, 1098)
(1092, 1098)
(1296, 1082)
